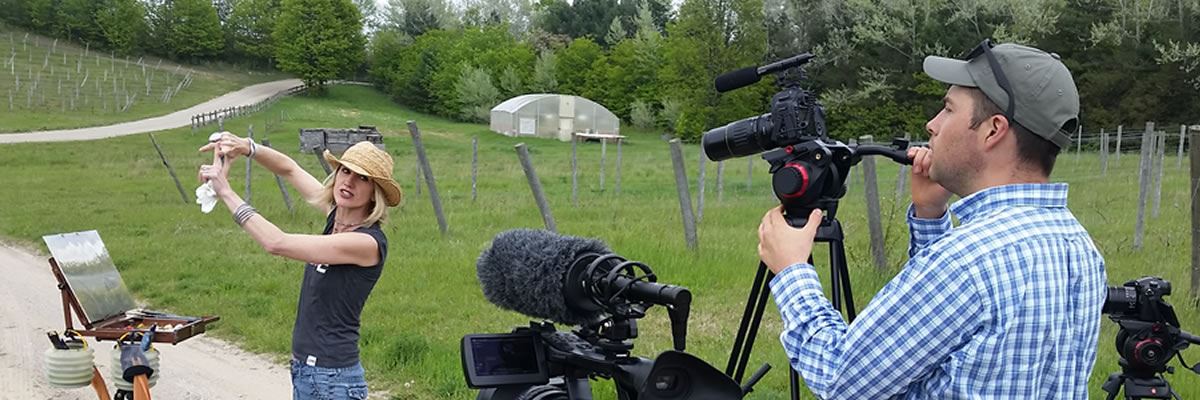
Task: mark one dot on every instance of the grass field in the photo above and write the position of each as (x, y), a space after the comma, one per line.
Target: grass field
(52, 84)
(177, 258)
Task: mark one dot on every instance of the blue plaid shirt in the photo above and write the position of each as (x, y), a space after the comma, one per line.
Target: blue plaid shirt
(1005, 306)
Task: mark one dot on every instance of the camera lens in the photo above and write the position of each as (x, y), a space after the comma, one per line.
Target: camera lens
(1121, 300)
(739, 138)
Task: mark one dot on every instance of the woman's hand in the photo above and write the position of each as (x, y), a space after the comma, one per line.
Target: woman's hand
(229, 145)
(217, 173)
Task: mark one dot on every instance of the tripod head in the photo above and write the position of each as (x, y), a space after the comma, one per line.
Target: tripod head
(812, 174)
(1149, 337)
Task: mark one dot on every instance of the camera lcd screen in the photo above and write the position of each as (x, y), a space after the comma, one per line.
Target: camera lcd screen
(503, 359)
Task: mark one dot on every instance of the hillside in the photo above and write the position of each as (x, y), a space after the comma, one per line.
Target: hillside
(53, 84)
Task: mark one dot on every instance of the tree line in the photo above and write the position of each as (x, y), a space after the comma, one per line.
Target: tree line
(653, 64)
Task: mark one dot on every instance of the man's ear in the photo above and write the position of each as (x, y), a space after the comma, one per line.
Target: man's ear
(999, 129)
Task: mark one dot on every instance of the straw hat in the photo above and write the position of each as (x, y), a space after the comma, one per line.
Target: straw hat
(367, 160)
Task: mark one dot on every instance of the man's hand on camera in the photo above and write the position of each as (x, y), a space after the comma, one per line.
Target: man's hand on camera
(928, 197)
(781, 245)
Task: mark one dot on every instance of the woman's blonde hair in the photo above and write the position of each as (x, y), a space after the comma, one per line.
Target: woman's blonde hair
(379, 212)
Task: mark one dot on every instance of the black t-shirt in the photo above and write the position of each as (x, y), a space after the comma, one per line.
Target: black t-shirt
(331, 301)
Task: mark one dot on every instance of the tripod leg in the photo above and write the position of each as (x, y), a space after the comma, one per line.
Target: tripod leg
(758, 314)
(738, 356)
(794, 377)
(837, 260)
(98, 384)
(141, 388)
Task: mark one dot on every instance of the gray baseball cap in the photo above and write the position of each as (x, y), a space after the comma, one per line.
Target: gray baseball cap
(1045, 100)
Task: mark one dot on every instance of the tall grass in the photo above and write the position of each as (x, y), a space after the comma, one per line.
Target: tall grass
(51, 84)
(174, 257)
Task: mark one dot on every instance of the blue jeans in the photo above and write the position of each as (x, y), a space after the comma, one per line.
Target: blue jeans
(317, 383)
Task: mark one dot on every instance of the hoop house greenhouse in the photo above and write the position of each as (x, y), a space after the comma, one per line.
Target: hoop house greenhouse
(552, 116)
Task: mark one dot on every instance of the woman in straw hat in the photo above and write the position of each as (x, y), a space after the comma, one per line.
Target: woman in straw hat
(342, 264)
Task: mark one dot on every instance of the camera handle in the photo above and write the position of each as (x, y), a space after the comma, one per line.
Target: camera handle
(830, 232)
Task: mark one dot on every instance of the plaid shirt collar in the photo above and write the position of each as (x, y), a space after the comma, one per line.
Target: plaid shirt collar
(1043, 195)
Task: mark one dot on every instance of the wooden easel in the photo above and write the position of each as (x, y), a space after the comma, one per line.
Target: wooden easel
(116, 327)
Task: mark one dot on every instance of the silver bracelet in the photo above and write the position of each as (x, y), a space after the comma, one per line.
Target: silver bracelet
(243, 214)
(253, 148)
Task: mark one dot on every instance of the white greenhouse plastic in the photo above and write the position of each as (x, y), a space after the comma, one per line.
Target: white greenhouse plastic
(557, 116)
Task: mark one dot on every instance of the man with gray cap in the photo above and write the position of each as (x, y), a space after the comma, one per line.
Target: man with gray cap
(1004, 306)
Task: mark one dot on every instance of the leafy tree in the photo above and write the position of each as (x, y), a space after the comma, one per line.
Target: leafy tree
(42, 14)
(192, 29)
(1187, 55)
(250, 26)
(574, 65)
(122, 24)
(318, 40)
(76, 20)
(711, 37)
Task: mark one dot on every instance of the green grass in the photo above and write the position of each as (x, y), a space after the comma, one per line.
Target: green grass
(53, 84)
(176, 258)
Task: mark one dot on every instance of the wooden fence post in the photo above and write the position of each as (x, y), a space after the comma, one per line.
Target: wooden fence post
(417, 175)
(685, 198)
(1144, 176)
(700, 177)
(1103, 153)
(874, 222)
(287, 198)
(182, 194)
(535, 185)
(474, 167)
(1182, 138)
(1195, 186)
(433, 193)
(1119, 129)
(1159, 160)
(319, 152)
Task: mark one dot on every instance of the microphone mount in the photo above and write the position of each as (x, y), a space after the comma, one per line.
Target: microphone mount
(623, 290)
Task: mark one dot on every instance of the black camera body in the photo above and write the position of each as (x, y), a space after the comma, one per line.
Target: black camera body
(539, 362)
(1148, 338)
(604, 295)
(795, 116)
(808, 168)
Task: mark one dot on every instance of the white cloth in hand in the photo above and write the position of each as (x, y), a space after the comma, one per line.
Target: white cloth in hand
(206, 197)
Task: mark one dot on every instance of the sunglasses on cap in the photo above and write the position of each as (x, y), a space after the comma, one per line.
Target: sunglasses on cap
(985, 49)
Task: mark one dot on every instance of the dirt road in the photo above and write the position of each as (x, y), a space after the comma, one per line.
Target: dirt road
(199, 368)
(246, 96)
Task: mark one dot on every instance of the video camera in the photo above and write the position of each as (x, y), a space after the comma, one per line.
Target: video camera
(1149, 337)
(580, 282)
(808, 168)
